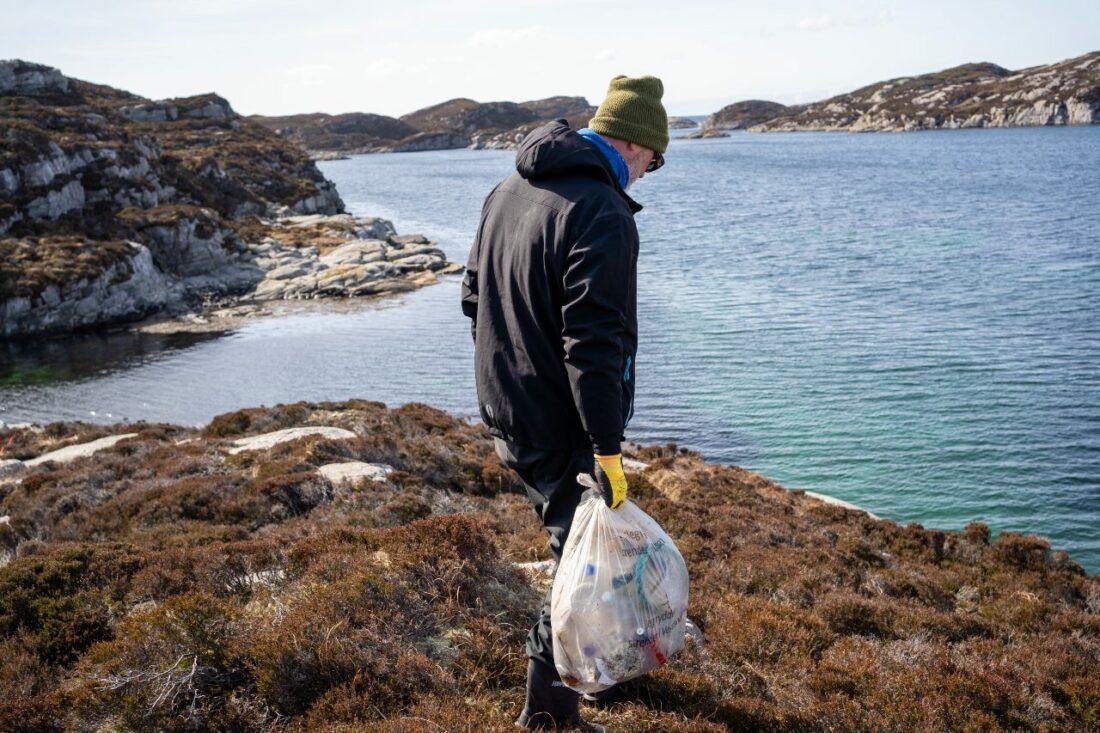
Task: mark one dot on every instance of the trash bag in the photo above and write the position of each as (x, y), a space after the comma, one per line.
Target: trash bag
(619, 601)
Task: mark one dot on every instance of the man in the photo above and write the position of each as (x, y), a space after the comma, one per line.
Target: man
(551, 289)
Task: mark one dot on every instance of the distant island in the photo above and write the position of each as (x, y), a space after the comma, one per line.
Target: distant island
(456, 123)
(967, 96)
(681, 123)
(115, 207)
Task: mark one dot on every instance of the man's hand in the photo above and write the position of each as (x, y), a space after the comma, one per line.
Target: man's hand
(611, 479)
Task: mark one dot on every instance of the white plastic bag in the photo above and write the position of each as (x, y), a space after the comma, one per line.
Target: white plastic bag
(620, 595)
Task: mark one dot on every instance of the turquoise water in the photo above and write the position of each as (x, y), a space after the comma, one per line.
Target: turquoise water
(908, 322)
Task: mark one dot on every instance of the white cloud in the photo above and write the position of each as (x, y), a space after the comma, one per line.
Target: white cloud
(827, 22)
(311, 73)
(496, 37)
(383, 67)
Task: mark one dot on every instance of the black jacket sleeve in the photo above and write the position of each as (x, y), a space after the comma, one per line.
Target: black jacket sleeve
(596, 278)
(469, 280)
(469, 291)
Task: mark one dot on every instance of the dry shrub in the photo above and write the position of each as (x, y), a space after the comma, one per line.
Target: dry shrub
(27, 702)
(849, 614)
(168, 585)
(1024, 552)
(168, 668)
(757, 631)
(56, 601)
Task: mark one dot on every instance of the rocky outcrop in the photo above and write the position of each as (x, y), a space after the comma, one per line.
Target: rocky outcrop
(125, 285)
(742, 115)
(193, 259)
(114, 207)
(80, 450)
(359, 257)
(681, 123)
(21, 77)
(77, 153)
(184, 240)
(276, 437)
(703, 132)
(351, 473)
(968, 96)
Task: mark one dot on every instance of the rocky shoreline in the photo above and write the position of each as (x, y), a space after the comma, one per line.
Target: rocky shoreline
(117, 208)
(216, 287)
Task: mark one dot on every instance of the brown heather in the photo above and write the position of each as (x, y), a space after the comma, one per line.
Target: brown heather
(164, 585)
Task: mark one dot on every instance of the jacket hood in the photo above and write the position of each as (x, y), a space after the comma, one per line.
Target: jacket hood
(555, 149)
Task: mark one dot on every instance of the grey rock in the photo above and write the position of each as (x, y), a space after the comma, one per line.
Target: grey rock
(150, 112)
(346, 475)
(837, 502)
(20, 77)
(57, 202)
(81, 450)
(10, 466)
(356, 252)
(373, 227)
(268, 440)
(288, 271)
(417, 262)
(123, 291)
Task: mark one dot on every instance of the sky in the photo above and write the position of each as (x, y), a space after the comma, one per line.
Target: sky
(283, 57)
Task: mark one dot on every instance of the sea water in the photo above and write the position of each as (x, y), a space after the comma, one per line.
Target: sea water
(910, 322)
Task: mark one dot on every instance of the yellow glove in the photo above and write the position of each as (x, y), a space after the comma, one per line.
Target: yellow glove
(611, 479)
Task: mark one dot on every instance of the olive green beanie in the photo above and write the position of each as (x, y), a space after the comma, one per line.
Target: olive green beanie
(632, 111)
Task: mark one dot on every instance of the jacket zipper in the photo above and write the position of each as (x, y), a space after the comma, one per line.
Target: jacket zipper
(626, 378)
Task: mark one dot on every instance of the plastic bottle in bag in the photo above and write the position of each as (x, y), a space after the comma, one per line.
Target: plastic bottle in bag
(619, 601)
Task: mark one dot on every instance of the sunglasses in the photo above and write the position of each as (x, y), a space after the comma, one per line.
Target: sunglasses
(657, 162)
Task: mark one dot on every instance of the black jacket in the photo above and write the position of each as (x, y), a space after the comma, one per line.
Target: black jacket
(551, 286)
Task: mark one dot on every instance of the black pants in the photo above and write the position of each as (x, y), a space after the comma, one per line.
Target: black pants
(551, 480)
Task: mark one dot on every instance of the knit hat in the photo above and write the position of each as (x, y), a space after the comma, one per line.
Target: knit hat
(632, 111)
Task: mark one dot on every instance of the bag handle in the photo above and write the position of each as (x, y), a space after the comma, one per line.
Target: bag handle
(587, 481)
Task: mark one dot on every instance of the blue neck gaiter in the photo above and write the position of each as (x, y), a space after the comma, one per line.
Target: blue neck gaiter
(622, 173)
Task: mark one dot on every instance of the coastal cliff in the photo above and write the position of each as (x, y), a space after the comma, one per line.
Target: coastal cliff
(967, 96)
(342, 566)
(114, 207)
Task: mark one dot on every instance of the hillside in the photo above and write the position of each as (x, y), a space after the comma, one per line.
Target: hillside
(456, 123)
(115, 207)
(78, 153)
(372, 571)
(466, 115)
(575, 110)
(355, 131)
(742, 115)
(971, 95)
